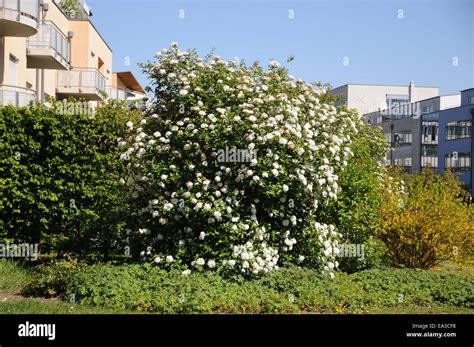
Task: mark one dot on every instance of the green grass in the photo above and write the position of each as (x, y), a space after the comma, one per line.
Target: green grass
(13, 278)
(42, 306)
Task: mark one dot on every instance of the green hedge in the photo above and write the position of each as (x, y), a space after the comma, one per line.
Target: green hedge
(293, 290)
(59, 177)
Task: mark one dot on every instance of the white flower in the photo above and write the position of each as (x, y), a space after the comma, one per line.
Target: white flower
(200, 261)
(285, 188)
(202, 235)
(183, 92)
(157, 260)
(169, 259)
(129, 125)
(274, 63)
(186, 272)
(211, 264)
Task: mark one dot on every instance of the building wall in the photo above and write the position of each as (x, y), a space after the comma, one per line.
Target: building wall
(367, 98)
(15, 46)
(55, 15)
(371, 98)
(403, 151)
(88, 47)
(465, 145)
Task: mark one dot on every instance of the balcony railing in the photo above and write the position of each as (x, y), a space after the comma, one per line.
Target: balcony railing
(81, 82)
(49, 42)
(19, 17)
(117, 93)
(16, 96)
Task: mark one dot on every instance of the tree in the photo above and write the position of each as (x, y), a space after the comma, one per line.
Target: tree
(73, 9)
(356, 210)
(426, 220)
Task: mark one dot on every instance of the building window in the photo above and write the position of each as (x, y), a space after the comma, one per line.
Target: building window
(430, 133)
(429, 162)
(429, 156)
(458, 130)
(427, 109)
(403, 139)
(471, 100)
(458, 161)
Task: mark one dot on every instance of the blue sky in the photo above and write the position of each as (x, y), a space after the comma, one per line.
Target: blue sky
(381, 48)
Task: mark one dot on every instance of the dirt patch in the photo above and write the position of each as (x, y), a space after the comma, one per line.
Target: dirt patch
(8, 297)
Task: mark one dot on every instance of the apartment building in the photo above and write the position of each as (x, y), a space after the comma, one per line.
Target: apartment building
(47, 52)
(368, 98)
(412, 131)
(456, 148)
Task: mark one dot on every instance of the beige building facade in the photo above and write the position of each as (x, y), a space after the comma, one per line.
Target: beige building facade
(368, 98)
(46, 52)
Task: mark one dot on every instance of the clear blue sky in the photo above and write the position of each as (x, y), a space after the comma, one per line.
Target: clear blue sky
(381, 47)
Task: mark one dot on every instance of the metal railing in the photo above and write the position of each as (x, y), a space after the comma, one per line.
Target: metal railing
(16, 96)
(50, 37)
(81, 78)
(27, 8)
(117, 93)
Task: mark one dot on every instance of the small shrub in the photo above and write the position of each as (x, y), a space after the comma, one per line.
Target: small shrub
(426, 220)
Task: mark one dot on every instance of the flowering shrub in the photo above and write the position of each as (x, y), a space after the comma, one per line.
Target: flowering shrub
(231, 165)
(426, 219)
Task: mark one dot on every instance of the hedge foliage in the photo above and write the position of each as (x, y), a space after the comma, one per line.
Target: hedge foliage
(59, 176)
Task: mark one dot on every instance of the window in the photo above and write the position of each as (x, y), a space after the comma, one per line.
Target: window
(429, 156)
(429, 162)
(430, 132)
(403, 139)
(427, 109)
(471, 100)
(458, 130)
(458, 161)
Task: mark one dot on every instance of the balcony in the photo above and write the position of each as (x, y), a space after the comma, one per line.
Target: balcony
(16, 96)
(19, 18)
(118, 93)
(81, 83)
(48, 48)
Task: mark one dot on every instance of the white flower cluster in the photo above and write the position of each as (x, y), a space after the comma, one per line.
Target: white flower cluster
(329, 241)
(255, 210)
